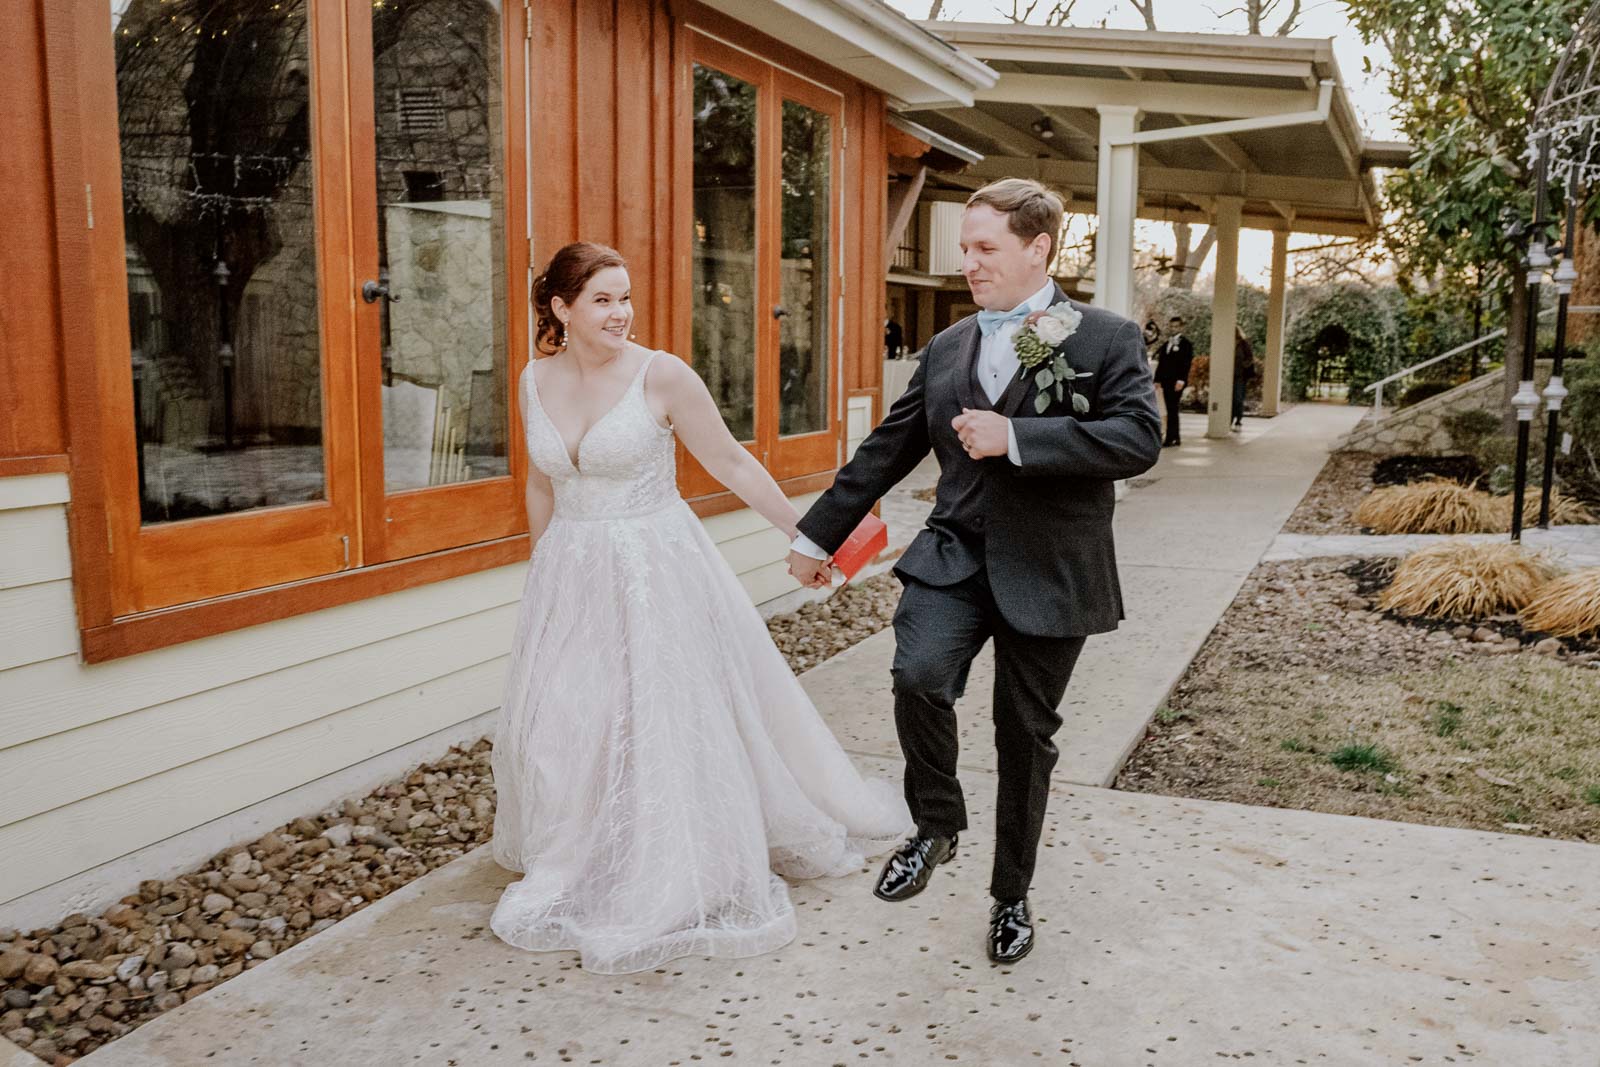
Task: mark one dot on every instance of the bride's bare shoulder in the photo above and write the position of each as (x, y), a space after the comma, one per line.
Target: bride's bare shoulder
(668, 371)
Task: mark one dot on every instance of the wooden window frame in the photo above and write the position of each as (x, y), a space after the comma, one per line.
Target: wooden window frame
(141, 588)
(800, 463)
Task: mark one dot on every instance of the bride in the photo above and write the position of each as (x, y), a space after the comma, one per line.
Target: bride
(657, 764)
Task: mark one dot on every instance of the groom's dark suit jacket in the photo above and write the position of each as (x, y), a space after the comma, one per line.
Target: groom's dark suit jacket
(1042, 530)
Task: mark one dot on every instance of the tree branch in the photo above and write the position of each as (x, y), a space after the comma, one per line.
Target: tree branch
(1146, 9)
(1290, 21)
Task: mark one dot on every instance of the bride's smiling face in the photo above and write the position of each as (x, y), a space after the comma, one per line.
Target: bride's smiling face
(601, 316)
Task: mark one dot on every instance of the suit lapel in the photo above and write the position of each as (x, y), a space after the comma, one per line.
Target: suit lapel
(1022, 388)
(966, 389)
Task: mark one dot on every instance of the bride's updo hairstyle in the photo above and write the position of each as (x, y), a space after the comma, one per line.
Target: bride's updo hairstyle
(568, 271)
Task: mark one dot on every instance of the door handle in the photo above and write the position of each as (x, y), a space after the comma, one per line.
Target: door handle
(779, 311)
(371, 292)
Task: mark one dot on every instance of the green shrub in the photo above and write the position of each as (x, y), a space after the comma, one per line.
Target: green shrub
(1346, 324)
(1468, 428)
(1580, 416)
(1421, 391)
(1478, 433)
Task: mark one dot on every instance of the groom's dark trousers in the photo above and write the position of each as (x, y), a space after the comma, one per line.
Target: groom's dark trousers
(937, 632)
(1021, 554)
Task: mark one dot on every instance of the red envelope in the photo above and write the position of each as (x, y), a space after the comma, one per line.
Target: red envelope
(862, 546)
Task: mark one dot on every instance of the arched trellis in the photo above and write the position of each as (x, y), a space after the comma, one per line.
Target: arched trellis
(1365, 321)
(1564, 147)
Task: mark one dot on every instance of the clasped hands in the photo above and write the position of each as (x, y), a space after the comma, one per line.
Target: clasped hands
(810, 572)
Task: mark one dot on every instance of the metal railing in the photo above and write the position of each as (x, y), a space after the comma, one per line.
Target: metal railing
(906, 257)
(1376, 388)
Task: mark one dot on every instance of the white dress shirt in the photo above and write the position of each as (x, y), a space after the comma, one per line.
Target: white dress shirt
(997, 366)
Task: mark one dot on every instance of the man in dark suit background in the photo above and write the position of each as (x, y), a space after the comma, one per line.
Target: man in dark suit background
(1172, 374)
(1018, 547)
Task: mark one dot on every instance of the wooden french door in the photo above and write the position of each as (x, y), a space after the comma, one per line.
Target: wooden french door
(440, 257)
(272, 158)
(764, 174)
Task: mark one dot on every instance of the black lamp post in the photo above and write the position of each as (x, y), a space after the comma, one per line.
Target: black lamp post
(1555, 392)
(1526, 400)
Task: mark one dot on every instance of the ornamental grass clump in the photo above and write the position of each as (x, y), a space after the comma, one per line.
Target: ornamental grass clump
(1569, 606)
(1564, 510)
(1431, 506)
(1465, 580)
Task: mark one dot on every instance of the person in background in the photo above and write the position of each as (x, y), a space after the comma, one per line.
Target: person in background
(894, 340)
(1152, 337)
(1172, 374)
(1244, 369)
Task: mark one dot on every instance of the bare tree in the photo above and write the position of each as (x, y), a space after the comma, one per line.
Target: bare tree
(1335, 260)
(934, 9)
(1188, 256)
(1057, 14)
(1259, 11)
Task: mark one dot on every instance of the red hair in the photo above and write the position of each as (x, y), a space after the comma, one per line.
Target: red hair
(568, 271)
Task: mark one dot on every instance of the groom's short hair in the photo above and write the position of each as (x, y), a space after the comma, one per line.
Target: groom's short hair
(1030, 208)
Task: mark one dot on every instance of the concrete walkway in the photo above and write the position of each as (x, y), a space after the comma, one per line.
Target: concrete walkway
(1172, 931)
(1571, 546)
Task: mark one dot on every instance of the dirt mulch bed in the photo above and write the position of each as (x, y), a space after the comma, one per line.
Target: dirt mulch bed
(68, 989)
(1304, 697)
(1403, 470)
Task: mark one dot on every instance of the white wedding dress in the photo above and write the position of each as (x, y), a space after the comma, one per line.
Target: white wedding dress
(656, 761)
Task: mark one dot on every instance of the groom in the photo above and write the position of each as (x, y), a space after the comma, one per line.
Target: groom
(1018, 546)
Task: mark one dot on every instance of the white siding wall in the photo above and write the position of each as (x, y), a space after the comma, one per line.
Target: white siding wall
(144, 766)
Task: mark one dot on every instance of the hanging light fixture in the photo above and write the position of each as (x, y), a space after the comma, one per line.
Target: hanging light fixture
(1043, 128)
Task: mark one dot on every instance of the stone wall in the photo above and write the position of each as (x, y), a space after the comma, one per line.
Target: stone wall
(1420, 428)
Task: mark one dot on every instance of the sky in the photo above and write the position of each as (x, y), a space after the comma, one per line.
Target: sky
(1318, 18)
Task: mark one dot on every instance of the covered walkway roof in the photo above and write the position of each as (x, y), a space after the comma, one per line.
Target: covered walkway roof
(1265, 119)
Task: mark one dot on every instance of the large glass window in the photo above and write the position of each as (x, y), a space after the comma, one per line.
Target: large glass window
(438, 189)
(315, 239)
(806, 254)
(213, 103)
(764, 155)
(725, 244)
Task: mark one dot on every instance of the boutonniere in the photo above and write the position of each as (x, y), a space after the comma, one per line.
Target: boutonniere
(1038, 350)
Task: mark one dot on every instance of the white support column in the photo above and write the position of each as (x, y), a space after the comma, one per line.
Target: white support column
(1116, 202)
(1224, 315)
(1272, 373)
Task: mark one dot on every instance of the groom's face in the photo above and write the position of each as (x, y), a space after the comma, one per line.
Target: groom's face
(1001, 269)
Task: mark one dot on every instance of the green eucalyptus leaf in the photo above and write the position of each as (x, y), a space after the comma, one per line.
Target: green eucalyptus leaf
(1080, 403)
(1040, 402)
(1043, 378)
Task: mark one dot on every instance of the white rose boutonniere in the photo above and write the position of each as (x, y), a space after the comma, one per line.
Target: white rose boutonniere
(1036, 344)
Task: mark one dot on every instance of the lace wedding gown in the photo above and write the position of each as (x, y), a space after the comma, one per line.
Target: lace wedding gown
(656, 760)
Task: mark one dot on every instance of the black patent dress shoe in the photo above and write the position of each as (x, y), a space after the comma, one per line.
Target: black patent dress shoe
(1010, 930)
(906, 873)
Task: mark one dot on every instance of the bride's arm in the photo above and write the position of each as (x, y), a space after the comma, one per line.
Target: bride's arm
(698, 424)
(541, 498)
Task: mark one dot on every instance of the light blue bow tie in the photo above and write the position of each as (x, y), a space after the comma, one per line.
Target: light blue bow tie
(990, 321)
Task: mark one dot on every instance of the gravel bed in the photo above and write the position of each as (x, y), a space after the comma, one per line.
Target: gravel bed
(826, 628)
(1327, 506)
(71, 988)
(67, 990)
